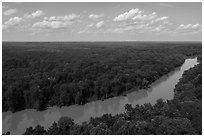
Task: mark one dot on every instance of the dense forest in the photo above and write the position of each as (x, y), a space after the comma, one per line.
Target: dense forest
(40, 75)
(182, 115)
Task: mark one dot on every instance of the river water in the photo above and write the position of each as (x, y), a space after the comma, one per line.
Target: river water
(163, 88)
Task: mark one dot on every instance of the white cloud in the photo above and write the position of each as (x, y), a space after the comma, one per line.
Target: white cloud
(95, 16)
(9, 12)
(187, 29)
(160, 19)
(158, 29)
(145, 17)
(127, 15)
(100, 24)
(51, 24)
(16, 21)
(56, 22)
(132, 28)
(139, 16)
(188, 26)
(13, 21)
(94, 28)
(33, 15)
(70, 17)
(138, 21)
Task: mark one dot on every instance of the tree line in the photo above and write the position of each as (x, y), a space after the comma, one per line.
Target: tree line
(40, 75)
(180, 116)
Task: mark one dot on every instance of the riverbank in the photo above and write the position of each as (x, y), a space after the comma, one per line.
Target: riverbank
(161, 89)
(80, 76)
(179, 116)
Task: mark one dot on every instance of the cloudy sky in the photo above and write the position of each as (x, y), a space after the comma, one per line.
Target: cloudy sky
(102, 21)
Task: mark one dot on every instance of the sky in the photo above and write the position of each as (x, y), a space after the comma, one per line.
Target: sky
(114, 21)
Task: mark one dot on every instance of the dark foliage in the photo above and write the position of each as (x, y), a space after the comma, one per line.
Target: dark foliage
(40, 75)
(180, 116)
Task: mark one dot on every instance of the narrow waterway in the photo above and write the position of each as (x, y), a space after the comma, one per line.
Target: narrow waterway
(163, 88)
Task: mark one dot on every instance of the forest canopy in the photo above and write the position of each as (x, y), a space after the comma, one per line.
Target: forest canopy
(180, 116)
(38, 75)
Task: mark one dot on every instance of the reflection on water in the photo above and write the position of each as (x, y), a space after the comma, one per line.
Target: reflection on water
(163, 88)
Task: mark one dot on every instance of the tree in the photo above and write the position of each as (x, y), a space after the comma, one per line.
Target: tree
(29, 131)
(180, 126)
(39, 130)
(100, 129)
(53, 130)
(65, 125)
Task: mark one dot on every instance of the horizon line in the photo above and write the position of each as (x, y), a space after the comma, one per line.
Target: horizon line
(104, 41)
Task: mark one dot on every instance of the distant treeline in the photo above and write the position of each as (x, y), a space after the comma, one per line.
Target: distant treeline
(180, 116)
(40, 75)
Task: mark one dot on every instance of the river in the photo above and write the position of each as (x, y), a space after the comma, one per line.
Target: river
(163, 88)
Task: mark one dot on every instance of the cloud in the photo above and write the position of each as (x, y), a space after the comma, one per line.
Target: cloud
(127, 15)
(33, 15)
(70, 17)
(9, 12)
(100, 24)
(138, 21)
(98, 27)
(51, 24)
(187, 29)
(166, 5)
(158, 29)
(139, 28)
(56, 22)
(14, 21)
(119, 30)
(139, 16)
(188, 26)
(160, 19)
(95, 16)
(134, 20)
(145, 17)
